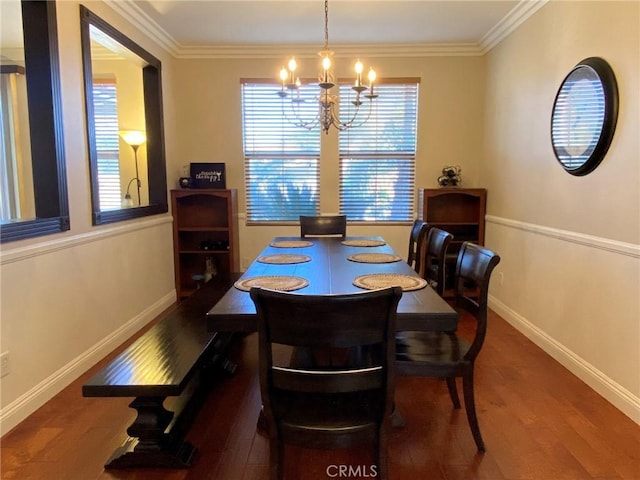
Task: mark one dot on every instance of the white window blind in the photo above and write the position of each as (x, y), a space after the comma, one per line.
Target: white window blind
(377, 159)
(105, 105)
(281, 168)
(577, 119)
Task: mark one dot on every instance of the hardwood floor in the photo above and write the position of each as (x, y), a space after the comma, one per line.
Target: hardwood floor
(539, 422)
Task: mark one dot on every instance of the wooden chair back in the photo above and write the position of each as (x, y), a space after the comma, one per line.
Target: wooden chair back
(327, 407)
(446, 354)
(323, 225)
(473, 274)
(435, 254)
(416, 244)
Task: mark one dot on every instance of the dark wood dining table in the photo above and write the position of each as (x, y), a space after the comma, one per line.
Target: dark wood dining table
(329, 271)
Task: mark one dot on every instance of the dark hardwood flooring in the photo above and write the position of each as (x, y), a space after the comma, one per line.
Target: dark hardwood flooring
(539, 422)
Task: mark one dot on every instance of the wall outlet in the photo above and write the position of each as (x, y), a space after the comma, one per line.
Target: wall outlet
(4, 364)
(501, 277)
(244, 264)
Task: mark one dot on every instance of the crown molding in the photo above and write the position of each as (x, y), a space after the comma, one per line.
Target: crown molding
(130, 11)
(311, 51)
(520, 13)
(512, 20)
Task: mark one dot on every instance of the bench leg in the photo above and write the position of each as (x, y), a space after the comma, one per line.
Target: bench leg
(150, 446)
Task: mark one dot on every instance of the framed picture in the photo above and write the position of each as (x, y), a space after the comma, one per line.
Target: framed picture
(208, 175)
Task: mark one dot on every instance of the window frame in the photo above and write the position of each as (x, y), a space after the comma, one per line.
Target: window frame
(385, 156)
(284, 155)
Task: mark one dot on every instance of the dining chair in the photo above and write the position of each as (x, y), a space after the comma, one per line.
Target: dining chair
(416, 243)
(435, 253)
(323, 225)
(321, 407)
(447, 354)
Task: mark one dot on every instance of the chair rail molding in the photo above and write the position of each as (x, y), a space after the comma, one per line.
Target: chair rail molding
(10, 255)
(618, 395)
(614, 246)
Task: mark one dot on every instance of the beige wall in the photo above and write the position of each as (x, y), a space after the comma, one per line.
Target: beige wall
(69, 299)
(570, 246)
(208, 126)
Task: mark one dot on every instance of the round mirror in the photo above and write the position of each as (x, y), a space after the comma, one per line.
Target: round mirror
(584, 116)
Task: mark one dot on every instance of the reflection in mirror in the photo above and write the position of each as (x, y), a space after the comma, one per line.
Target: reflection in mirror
(33, 198)
(16, 179)
(118, 105)
(134, 138)
(584, 116)
(124, 124)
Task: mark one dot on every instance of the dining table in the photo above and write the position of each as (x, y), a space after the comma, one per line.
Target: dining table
(328, 266)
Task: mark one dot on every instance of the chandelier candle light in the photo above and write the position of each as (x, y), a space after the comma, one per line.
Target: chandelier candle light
(134, 138)
(326, 115)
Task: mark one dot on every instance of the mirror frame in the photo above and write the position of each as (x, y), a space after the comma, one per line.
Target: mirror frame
(154, 127)
(42, 66)
(605, 75)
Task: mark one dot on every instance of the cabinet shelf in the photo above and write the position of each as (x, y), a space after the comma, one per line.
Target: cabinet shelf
(205, 230)
(204, 252)
(459, 211)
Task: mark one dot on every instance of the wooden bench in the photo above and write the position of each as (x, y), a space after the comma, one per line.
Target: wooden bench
(177, 357)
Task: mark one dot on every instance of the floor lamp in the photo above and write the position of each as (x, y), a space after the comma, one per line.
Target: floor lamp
(134, 138)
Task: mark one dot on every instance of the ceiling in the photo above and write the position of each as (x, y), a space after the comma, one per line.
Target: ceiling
(189, 28)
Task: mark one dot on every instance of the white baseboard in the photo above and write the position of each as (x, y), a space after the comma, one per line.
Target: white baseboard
(29, 402)
(617, 395)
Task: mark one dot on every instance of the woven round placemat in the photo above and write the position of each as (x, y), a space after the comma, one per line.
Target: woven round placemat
(374, 258)
(364, 243)
(291, 244)
(284, 258)
(376, 281)
(285, 283)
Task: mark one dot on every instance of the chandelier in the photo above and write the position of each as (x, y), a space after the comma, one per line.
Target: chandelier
(326, 116)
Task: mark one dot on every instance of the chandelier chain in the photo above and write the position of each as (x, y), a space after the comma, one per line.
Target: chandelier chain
(328, 111)
(326, 24)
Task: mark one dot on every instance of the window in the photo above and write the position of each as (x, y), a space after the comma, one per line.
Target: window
(107, 144)
(281, 159)
(377, 159)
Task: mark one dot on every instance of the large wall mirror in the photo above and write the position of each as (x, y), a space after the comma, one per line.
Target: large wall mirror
(33, 190)
(584, 116)
(123, 92)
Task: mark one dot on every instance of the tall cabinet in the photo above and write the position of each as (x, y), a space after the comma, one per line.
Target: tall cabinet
(205, 236)
(459, 211)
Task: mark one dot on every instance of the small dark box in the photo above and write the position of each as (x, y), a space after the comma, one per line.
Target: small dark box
(208, 175)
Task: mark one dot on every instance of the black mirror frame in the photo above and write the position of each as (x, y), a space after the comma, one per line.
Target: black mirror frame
(610, 89)
(40, 33)
(152, 85)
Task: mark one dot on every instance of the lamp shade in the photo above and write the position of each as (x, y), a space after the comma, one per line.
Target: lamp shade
(135, 138)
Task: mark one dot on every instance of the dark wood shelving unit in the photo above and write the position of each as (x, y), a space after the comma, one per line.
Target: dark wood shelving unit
(205, 225)
(459, 211)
